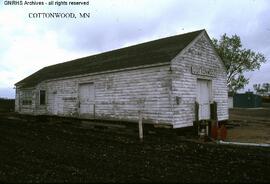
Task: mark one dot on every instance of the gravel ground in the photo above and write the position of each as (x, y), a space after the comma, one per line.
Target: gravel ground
(250, 125)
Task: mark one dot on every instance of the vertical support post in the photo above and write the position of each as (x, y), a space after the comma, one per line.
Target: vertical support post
(213, 110)
(196, 111)
(214, 121)
(140, 126)
(207, 128)
(197, 117)
(94, 111)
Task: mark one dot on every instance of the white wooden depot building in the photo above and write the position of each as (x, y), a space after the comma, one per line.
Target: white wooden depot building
(162, 79)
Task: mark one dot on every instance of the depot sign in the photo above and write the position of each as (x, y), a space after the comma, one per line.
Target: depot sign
(200, 70)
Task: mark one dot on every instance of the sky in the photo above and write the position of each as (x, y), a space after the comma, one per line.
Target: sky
(29, 44)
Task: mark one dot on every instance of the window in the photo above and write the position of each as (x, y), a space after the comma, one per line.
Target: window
(26, 97)
(42, 97)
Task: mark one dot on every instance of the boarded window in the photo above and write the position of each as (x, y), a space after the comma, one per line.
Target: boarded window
(42, 97)
(26, 97)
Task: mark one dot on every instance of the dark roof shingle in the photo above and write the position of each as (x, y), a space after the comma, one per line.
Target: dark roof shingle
(157, 51)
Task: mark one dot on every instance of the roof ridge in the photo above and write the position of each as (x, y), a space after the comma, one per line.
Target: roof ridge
(147, 53)
(127, 47)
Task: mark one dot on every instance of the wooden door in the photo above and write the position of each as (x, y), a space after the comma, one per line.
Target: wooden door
(87, 99)
(203, 98)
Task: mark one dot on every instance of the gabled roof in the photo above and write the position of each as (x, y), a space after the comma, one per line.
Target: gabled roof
(153, 52)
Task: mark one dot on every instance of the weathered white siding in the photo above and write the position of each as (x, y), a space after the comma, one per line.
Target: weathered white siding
(184, 83)
(163, 94)
(118, 95)
(24, 109)
(17, 100)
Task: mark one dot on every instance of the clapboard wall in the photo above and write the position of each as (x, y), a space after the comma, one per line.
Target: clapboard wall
(119, 95)
(184, 83)
(163, 93)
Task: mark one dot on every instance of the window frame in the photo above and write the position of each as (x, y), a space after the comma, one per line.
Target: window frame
(26, 97)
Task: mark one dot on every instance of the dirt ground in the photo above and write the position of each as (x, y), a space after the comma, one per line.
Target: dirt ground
(249, 125)
(34, 151)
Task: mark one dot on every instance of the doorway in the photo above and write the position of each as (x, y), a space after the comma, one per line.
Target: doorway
(87, 99)
(204, 98)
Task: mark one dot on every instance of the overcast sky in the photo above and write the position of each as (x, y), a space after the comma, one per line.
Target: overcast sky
(27, 45)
